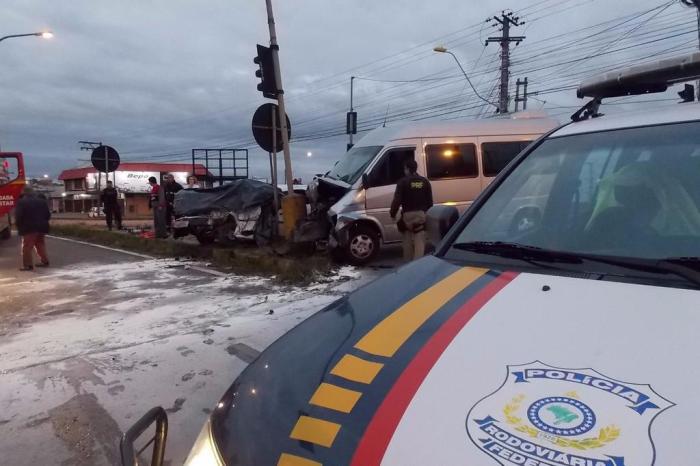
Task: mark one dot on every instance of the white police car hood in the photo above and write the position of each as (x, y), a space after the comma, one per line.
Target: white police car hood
(547, 370)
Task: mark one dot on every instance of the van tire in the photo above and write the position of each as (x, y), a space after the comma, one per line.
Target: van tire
(6, 234)
(363, 244)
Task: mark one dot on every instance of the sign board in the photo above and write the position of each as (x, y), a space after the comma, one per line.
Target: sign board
(126, 182)
(262, 127)
(351, 123)
(133, 181)
(105, 159)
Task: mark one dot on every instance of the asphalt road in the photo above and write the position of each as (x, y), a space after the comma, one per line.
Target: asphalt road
(90, 344)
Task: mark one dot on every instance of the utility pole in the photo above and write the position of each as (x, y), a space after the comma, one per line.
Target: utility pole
(522, 99)
(280, 98)
(506, 20)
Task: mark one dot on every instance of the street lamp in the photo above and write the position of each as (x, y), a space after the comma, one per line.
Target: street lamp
(441, 49)
(43, 35)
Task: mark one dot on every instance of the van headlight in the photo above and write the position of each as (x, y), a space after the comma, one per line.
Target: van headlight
(204, 452)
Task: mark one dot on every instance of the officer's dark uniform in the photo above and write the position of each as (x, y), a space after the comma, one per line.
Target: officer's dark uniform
(110, 202)
(414, 196)
(171, 188)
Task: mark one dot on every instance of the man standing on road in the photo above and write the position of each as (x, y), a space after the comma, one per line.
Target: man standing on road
(171, 187)
(414, 196)
(110, 204)
(32, 217)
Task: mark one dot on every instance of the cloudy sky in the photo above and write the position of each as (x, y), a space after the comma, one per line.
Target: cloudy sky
(156, 78)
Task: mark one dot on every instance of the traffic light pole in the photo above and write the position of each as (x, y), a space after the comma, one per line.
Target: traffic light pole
(280, 98)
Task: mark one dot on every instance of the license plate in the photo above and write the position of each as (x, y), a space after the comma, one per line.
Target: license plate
(181, 223)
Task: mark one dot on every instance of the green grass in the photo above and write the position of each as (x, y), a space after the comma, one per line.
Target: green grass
(297, 267)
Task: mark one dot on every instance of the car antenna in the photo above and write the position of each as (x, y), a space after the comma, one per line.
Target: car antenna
(385, 116)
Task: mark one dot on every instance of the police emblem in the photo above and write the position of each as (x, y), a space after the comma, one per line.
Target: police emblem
(548, 416)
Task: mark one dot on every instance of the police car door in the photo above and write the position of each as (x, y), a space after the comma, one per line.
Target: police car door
(383, 176)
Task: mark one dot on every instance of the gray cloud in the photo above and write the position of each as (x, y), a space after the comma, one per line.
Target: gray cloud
(161, 77)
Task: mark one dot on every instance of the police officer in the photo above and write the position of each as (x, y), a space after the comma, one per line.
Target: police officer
(171, 188)
(110, 204)
(414, 196)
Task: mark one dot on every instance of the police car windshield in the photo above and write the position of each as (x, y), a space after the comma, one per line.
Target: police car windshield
(353, 164)
(630, 193)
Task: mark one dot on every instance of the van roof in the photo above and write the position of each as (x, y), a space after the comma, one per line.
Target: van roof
(517, 123)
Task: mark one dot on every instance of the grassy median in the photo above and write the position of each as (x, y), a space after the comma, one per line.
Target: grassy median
(296, 267)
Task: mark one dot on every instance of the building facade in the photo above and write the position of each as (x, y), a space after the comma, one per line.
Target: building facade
(83, 185)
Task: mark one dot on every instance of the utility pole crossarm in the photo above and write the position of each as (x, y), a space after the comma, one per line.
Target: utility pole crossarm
(506, 20)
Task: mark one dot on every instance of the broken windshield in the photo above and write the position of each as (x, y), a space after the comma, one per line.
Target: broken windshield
(353, 164)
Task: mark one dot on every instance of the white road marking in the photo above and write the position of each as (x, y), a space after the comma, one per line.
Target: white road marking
(129, 253)
(216, 273)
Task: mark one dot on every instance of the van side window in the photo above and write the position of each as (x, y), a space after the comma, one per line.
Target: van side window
(451, 161)
(391, 168)
(496, 155)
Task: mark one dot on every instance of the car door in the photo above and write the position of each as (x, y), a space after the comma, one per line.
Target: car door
(451, 165)
(382, 178)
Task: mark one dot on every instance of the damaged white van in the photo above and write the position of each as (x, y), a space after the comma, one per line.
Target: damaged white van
(460, 158)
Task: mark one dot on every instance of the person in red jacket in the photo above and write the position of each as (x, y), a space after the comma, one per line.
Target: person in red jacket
(32, 217)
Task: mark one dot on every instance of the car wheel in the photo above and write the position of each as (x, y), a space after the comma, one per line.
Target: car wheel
(363, 245)
(206, 238)
(226, 233)
(5, 234)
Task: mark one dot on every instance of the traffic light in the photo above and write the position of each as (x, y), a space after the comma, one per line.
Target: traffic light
(688, 93)
(266, 73)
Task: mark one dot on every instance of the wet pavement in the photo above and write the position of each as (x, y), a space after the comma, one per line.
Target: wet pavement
(89, 345)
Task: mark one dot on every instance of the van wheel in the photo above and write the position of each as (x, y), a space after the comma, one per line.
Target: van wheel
(363, 245)
(6, 234)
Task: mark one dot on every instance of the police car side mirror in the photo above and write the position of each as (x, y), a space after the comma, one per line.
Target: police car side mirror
(439, 220)
(365, 181)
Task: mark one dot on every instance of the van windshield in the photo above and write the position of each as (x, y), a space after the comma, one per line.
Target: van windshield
(351, 166)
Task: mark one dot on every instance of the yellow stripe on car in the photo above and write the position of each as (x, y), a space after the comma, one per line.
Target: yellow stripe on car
(334, 397)
(318, 431)
(388, 336)
(383, 340)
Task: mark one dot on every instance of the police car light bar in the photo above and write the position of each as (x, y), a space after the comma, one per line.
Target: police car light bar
(642, 79)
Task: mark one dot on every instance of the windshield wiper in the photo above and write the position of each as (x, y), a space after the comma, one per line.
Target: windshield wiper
(687, 268)
(518, 251)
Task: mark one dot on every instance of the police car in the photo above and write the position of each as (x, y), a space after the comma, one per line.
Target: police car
(570, 341)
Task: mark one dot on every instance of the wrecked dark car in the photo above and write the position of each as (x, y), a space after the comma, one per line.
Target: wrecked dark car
(240, 210)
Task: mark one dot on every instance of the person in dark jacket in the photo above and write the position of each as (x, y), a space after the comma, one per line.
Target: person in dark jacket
(414, 196)
(171, 187)
(32, 217)
(110, 204)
